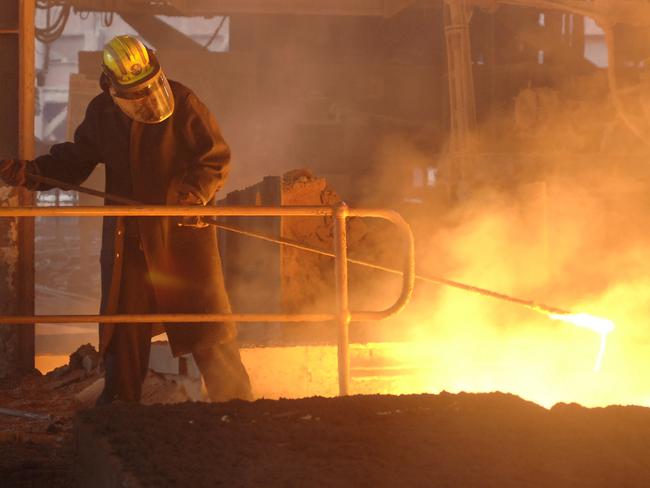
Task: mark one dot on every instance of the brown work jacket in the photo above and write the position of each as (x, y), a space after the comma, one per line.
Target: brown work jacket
(185, 151)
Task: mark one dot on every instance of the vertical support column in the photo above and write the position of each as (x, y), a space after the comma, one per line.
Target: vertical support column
(26, 231)
(492, 67)
(342, 297)
(16, 141)
(461, 89)
(26, 79)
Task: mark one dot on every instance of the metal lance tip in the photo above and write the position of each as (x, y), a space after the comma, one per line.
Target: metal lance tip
(599, 325)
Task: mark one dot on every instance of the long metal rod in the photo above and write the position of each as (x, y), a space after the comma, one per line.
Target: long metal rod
(81, 189)
(436, 280)
(342, 296)
(540, 307)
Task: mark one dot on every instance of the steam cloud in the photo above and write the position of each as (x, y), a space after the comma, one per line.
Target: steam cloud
(558, 214)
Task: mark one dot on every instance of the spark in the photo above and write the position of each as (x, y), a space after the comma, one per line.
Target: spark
(599, 325)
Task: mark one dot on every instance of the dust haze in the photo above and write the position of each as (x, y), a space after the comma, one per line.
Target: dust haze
(557, 211)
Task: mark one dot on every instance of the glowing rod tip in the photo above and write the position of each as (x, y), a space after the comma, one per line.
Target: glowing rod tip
(597, 324)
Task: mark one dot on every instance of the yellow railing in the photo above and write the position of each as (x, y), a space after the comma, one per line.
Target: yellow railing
(343, 315)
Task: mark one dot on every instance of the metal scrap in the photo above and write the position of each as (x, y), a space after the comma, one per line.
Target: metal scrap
(25, 415)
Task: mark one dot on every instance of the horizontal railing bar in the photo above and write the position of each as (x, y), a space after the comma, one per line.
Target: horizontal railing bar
(192, 210)
(166, 211)
(163, 318)
(187, 318)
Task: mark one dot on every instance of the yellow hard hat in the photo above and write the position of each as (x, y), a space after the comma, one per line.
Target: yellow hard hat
(137, 83)
(127, 59)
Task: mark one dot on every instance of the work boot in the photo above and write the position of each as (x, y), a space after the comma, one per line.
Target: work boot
(223, 372)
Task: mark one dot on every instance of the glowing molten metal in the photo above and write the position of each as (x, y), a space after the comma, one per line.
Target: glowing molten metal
(599, 325)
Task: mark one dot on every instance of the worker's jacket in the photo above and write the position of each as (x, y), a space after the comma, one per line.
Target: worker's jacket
(149, 163)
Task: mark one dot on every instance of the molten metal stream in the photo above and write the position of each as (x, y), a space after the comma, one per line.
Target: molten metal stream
(599, 325)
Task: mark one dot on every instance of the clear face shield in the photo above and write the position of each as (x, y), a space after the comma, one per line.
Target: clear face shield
(149, 101)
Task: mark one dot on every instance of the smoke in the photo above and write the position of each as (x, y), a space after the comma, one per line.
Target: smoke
(559, 215)
(555, 206)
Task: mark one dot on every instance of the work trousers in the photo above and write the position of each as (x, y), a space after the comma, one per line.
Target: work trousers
(126, 360)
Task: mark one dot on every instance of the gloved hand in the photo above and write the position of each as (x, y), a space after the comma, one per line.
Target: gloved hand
(189, 198)
(13, 171)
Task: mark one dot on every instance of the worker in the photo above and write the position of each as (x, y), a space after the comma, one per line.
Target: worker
(160, 145)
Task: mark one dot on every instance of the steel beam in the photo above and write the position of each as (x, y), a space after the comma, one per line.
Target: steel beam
(632, 12)
(161, 35)
(376, 8)
(342, 296)
(462, 100)
(26, 112)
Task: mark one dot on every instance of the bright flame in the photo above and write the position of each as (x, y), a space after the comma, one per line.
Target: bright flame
(599, 325)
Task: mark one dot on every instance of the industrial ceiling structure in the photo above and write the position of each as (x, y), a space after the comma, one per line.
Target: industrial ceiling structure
(632, 12)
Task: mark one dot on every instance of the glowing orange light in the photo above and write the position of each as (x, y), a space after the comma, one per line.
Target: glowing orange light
(599, 325)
